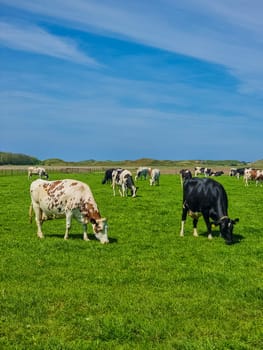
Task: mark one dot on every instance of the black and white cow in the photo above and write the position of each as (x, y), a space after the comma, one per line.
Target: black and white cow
(108, 176)
(122, 178)
(208, 198)
(185, 174)
(142, 173)
(202, 171)
(237, 172)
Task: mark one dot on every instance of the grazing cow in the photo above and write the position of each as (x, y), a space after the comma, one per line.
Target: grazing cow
(232, 172)
(41, 172)
(123, 179)
(142, 173)
(208, 198)
(184, 175)
(108, 176)
(155, 177)
(199, 170)
(204, 171)
(66, 198)
(207, 172)
(237, 172)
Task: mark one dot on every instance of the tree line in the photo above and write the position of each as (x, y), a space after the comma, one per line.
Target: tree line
(7, 158)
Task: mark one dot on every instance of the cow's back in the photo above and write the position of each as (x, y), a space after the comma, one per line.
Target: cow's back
(37, 191)
(67, 192)
(200, 193)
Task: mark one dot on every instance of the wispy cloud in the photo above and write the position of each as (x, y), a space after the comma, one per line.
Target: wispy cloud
(226, 33)
(34, 39)
(183, 82)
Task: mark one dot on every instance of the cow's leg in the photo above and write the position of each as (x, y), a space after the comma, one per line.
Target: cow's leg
(113, 188)
(208, 225)
(38, 218)
(184, 214)
(122, 190)
(85, 232)
(68, 224)
(195, 222)
(133, 191)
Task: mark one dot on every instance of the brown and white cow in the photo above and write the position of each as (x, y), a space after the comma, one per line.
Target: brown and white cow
(41, 172)
(259, 177)
(249, 174)
(67, 198)
(253, 175)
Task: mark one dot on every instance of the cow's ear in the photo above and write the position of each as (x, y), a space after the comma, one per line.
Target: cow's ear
(93, 221)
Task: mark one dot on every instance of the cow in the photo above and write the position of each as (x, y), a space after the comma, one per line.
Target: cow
(185, 174)
(253, 174)
(66, 198)
(142, 173)
(204, 171)
(123, 179)
(237, 172)
(41, 172)
(259, 177)
(249, 175)
(107, 176)
(207, 197)
(155, 177)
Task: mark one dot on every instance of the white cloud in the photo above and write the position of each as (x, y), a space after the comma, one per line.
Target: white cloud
(34, 39)
(228, 33)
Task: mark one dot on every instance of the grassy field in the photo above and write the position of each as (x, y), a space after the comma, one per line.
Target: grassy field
(147, 289)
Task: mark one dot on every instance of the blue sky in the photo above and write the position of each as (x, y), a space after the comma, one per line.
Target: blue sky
(121, 79)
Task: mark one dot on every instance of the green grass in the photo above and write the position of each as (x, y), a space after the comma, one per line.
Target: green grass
(147, 289)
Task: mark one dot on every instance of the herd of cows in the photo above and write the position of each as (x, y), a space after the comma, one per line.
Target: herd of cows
(202, 196)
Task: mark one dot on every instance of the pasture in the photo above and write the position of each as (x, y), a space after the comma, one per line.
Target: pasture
(147, 289)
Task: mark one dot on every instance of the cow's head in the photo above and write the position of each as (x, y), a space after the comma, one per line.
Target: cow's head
(226, 229)
(100, 229)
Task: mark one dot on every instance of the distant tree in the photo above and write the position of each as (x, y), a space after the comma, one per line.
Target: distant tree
(8, 158)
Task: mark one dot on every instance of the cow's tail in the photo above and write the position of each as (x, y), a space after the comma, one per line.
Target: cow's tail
(30, 213)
